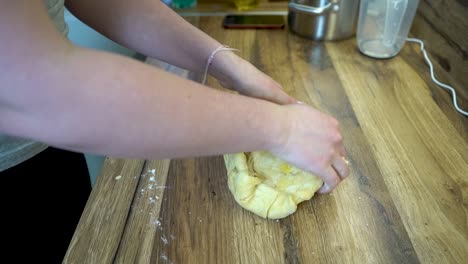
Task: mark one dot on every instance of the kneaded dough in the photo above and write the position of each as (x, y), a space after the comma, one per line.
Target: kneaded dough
(268, 186)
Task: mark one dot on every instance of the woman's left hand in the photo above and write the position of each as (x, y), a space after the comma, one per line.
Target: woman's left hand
(238, 74)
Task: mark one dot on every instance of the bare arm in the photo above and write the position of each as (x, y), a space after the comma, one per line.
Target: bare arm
(97, 102)
(153, 29)
(149, 27)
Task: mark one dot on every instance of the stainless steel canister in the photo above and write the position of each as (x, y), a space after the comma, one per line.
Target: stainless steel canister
(323, 19)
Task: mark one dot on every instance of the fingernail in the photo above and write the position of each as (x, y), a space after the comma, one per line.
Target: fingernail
(299, 102)
(325, 188)
(346, 161)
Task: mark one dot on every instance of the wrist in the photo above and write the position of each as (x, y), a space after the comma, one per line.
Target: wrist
(277, 128)
(223, 66)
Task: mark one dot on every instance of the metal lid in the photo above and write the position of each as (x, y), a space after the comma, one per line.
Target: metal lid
(317, 7)
(313, 3)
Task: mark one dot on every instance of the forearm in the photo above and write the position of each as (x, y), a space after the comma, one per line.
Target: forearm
(152, 28)
(107, 104)
(149, 27)
(102, 103)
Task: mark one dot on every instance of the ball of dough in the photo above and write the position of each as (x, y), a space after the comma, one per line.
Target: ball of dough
(267, 186)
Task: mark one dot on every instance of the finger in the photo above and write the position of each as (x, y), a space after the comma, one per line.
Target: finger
(342, 151)
(330, 180)
(273, 92)
(277, 95)
(341, 167)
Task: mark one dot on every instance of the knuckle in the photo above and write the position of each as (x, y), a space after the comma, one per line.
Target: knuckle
(327, 156)
(335, 181)
(347, 172)
(334, 122)
(325, 161)
(338, 138)
(331, 154)
(344, 172)
(334, 138)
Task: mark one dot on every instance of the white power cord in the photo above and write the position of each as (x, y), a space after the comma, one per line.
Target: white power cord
(454, 94)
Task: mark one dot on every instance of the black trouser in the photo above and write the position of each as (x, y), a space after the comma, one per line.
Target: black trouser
(42, 201)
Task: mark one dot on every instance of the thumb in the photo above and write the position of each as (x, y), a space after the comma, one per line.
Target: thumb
(277, 96)
(280, 97)
(274, 93)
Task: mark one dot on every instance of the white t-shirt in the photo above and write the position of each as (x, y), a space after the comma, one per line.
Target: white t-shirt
(15, 150)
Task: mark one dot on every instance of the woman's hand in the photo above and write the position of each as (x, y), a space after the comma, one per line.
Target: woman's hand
(311, 140)
(238, 74)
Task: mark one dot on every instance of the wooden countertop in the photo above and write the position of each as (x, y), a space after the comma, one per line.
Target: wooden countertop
(405, 201)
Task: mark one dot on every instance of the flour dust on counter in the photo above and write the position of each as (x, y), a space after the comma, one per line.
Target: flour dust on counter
(150, 190)
(152, 185)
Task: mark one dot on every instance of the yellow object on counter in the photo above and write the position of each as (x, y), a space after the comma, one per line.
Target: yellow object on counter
(246, 4)
(268, 186)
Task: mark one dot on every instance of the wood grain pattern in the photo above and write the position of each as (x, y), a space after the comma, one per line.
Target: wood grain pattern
(412, 153)
(405, 201)
(443, 24)
(378, 224)
(136, 245)
(413, 57)
(207, 224)
(102, 224)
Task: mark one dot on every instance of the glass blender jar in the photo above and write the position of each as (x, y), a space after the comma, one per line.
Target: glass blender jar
(383, 26)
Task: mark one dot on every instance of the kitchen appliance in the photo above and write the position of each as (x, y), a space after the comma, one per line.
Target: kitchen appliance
(323, 19)
(384, 25)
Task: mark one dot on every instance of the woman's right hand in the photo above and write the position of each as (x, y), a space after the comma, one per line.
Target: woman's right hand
(311, 140)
